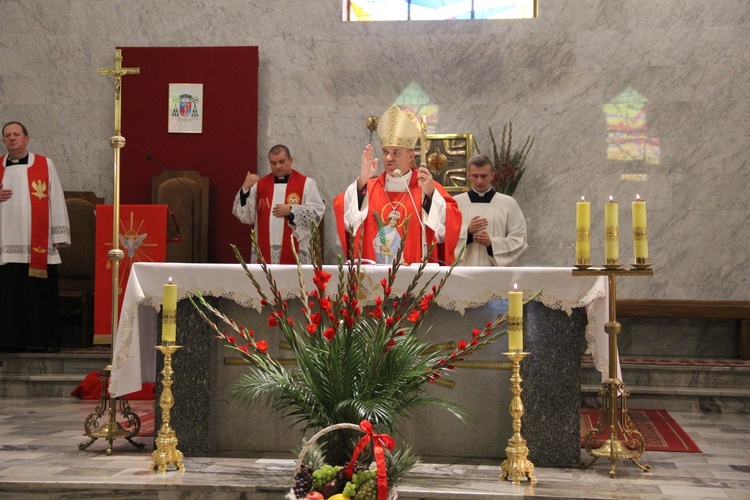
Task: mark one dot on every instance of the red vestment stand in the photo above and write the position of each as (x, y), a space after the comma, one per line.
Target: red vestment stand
(142, 238)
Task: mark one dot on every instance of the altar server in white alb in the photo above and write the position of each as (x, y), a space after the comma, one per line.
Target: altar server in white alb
(493, 228)
(33, 224)
(281, 205)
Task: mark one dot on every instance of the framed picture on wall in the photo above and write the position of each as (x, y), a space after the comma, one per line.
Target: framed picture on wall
(185, 108)
(447, 158)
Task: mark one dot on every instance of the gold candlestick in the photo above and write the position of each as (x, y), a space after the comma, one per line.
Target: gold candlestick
(166, 452)
(613, 392)
(517, 464)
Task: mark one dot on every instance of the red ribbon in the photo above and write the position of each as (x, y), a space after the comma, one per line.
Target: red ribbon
(378, 441)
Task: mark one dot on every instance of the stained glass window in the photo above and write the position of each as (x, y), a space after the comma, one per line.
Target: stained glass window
(423, 10)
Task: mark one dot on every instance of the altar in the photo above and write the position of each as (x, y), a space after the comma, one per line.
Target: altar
(567, 318)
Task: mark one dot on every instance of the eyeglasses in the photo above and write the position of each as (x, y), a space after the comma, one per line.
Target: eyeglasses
(395, 153)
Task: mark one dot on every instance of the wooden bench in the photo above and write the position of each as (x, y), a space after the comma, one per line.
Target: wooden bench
(705, 309)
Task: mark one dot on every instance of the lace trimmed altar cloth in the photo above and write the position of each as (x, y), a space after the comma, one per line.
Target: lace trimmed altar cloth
(467, 288)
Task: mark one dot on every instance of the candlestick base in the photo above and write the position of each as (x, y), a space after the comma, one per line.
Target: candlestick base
(611, 266)
(517, 464)
(166, 452)
(641, 266)
(582, 267)
(111, 429)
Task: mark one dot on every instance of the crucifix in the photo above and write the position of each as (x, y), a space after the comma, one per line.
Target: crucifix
(112, 429)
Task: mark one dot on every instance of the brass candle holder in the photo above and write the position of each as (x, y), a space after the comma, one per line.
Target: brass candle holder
(614, 415)
(517, 464)
(166, 452)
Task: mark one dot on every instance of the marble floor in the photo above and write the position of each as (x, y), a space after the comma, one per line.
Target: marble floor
(39, 458)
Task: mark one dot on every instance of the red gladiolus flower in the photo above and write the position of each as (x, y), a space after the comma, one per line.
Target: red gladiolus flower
(263, 302)
(321, 279)
(475, 332)
(329, 333)
(314, 293)
(377, 312)
(290, 321)
(250, 333)
(414, 316)
(316, 318)
(262, 346)
(325, 304)
(350, 322)
(230, 339)
(272, 321)
(474, 341)
(311, 329)
(244, 349)
(451, 367)
(461, 344)
(383, 282)
(389, 321)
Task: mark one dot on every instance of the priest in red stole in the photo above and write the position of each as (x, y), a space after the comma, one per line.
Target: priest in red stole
(377, 208)
(282, 206)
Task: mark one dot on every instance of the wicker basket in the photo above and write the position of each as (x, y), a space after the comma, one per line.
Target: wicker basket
(392, 493)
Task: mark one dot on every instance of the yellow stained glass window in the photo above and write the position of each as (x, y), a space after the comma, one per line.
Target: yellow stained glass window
(424, 10)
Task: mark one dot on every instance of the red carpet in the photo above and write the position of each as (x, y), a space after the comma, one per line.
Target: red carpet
(147, 425)
(659, 429)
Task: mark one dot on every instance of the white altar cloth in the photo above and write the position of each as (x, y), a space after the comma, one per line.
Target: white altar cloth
(467, 287)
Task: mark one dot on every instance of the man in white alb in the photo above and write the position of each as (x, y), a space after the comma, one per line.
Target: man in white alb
(493, 228)
(281, 205)
(33, 224)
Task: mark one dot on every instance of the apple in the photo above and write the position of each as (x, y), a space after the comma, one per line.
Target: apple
(314, 495)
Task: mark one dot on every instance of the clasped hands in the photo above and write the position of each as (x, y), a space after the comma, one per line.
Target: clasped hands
(5, 194)
(369, 169)
(478, 229)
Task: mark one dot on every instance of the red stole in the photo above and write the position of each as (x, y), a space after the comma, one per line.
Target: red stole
(295, 187)
(38, 179)
(383, 203)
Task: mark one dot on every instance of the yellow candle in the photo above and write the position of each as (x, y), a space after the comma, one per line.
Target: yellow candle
(515, 319)
(169, 313)
(583, 227)
(640, 235)
(611, 241)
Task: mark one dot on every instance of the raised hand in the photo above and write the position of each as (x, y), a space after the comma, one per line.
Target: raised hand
(426, 182)
(250, 180)
(368, 168)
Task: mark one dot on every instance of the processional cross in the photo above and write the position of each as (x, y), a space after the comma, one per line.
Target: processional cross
(112, 429)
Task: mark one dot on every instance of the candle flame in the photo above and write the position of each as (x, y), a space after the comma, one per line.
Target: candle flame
(583, 198)
(611, 198)
(515, 287)
(637, 197)
(170, 280)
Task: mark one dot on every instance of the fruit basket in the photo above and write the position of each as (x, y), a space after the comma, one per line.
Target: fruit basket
(351, 481)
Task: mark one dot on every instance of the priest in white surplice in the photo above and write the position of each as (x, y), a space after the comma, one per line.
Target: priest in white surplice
(493, 228)
(282, 205)
(33, 224)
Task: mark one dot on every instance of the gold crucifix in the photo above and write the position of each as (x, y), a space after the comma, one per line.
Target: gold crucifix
(118, 71)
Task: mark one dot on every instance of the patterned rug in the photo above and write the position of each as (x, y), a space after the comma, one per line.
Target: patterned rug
(659, 429)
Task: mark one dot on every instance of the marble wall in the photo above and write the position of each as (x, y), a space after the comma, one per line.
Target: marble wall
(320, 78)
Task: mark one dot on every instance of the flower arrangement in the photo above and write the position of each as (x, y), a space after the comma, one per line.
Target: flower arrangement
(355, 362)
(509, 164)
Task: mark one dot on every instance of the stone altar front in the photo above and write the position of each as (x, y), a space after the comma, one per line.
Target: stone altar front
(208, 421)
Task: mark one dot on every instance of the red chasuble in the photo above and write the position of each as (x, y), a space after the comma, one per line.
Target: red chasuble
(38, 178)
(383, 202)
(295, 187)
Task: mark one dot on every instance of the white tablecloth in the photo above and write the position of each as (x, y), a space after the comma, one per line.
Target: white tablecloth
(467, 287)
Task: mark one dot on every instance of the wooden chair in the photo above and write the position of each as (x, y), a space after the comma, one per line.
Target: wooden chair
(186, 194)
(76, 273)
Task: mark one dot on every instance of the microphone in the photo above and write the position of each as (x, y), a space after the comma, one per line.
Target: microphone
(150, 158)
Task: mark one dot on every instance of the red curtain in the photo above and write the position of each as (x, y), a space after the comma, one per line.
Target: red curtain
(224, 151)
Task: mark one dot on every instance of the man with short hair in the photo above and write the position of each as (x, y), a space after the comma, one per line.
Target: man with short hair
(33, 224)
(281, 205)
(367, 205)
(493, 229)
